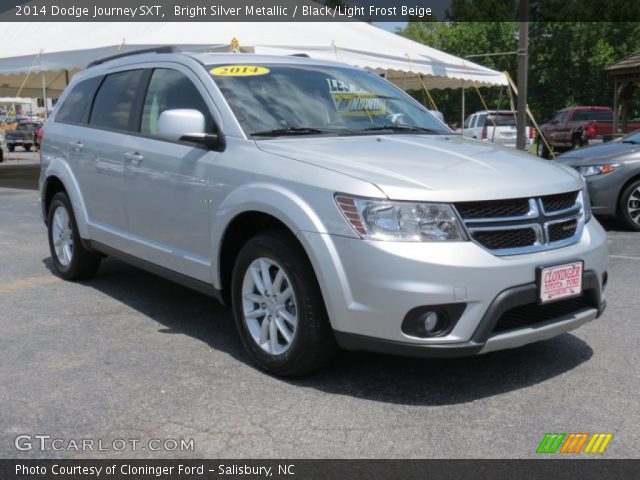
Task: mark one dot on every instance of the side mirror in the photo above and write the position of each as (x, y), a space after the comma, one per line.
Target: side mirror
(187, 125)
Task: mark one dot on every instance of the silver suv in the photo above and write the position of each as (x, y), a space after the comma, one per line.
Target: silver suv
(326, 206)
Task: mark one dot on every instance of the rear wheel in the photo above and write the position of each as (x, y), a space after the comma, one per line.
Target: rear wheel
(27, 148)
(577, 142)
(70, 259)
(629, 206)
(278, 307)
(11, 148)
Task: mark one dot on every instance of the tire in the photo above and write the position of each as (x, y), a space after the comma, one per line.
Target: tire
(71, 260)
(629, 206)
(576, 142)
(311, 343)
(27, 148)
(11, 148)
(541, 149)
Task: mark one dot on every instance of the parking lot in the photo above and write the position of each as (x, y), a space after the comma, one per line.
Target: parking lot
(130, 355)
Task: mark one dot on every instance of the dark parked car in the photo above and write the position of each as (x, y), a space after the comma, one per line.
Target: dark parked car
(577, 127)
(23, 136)
(612, 172)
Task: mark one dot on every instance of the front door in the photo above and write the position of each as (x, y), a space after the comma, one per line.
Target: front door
(167, 183)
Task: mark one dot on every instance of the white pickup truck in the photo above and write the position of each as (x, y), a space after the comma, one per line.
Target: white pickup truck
(495, 126)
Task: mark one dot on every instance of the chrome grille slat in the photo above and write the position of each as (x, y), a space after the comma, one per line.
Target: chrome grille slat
(532, 230)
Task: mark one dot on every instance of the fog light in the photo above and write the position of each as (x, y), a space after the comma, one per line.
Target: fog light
(431, 322)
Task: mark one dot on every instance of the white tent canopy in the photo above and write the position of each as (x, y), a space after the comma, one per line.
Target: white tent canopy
(58, 48)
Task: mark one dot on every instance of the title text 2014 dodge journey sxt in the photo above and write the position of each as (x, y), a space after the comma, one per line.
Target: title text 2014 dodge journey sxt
(324, 204)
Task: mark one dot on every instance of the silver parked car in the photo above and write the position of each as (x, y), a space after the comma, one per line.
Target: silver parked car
(612, 172)
(321, 202)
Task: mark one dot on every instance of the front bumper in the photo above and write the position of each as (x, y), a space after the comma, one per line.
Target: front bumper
(369, 287)
(604, 191)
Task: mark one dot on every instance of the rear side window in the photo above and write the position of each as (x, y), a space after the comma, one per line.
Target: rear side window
(75, 108)
(598, 115)
(115, 100)
(168, 90)
(481, 117)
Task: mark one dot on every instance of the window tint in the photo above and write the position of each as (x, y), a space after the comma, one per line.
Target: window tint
(598, 115)
(115, 99)
(168, 90)
(76, 106)
(561, 117)
(501, 119)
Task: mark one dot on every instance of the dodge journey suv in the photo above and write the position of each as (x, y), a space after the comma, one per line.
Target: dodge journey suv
(325, 205)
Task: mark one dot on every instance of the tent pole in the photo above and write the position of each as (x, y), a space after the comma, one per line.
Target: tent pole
(44, 94)
(462, 119)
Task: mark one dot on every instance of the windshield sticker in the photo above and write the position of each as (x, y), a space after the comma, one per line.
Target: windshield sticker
(351, 100)
(359, 104)
(239, 71)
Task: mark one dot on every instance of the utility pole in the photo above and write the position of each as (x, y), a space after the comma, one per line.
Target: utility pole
(523, 66)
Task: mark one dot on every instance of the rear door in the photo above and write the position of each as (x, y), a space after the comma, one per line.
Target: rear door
(99, 151)
(167, 191)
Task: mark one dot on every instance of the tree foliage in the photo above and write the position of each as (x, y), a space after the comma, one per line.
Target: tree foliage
(566, 60)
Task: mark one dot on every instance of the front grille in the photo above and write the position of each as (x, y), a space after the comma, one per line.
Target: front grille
(494, 208)
(532, 313)
(524, 225)
(499, 239)
(562, 230)
(563, 201)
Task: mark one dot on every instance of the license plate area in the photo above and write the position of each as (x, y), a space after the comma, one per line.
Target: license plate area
(559, 282)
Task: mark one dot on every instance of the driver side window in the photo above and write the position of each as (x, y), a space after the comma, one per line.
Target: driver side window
(169, 90)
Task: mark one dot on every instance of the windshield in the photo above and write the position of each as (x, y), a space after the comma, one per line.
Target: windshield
(273, 100)
(633, 137)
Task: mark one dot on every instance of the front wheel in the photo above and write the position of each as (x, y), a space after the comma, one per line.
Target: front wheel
(27, 148)
(11, 148)
(70, 259)
(278, 308)
(629, 206)
(541, 149)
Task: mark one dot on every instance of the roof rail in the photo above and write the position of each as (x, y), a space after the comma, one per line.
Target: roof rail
(165, 49)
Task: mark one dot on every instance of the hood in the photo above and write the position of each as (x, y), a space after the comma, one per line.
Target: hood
(431, 167)
(614, 151)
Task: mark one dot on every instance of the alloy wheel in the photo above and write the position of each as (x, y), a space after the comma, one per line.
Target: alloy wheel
(269, 306)
(633, 205)
(62, 236)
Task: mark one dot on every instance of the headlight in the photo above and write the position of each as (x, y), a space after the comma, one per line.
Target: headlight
(586, 203)
(379, 219)
(590, 170)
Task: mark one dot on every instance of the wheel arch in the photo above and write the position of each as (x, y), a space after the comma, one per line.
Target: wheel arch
(623, 188)
(238, 232)
(58, 177)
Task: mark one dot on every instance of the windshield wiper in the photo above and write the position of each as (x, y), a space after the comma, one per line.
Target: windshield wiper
(401, 128)
(279, 132)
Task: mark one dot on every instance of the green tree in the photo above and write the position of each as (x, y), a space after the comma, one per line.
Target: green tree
(566, 59)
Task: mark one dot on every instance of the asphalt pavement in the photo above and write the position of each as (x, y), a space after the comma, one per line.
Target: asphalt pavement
(128, 355)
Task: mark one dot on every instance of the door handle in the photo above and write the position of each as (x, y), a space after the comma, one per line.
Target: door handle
(134, 157)
(76, 146)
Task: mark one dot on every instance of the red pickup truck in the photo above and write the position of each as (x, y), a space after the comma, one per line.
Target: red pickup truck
(575, 127)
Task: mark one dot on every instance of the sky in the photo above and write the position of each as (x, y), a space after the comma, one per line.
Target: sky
(391, 26)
